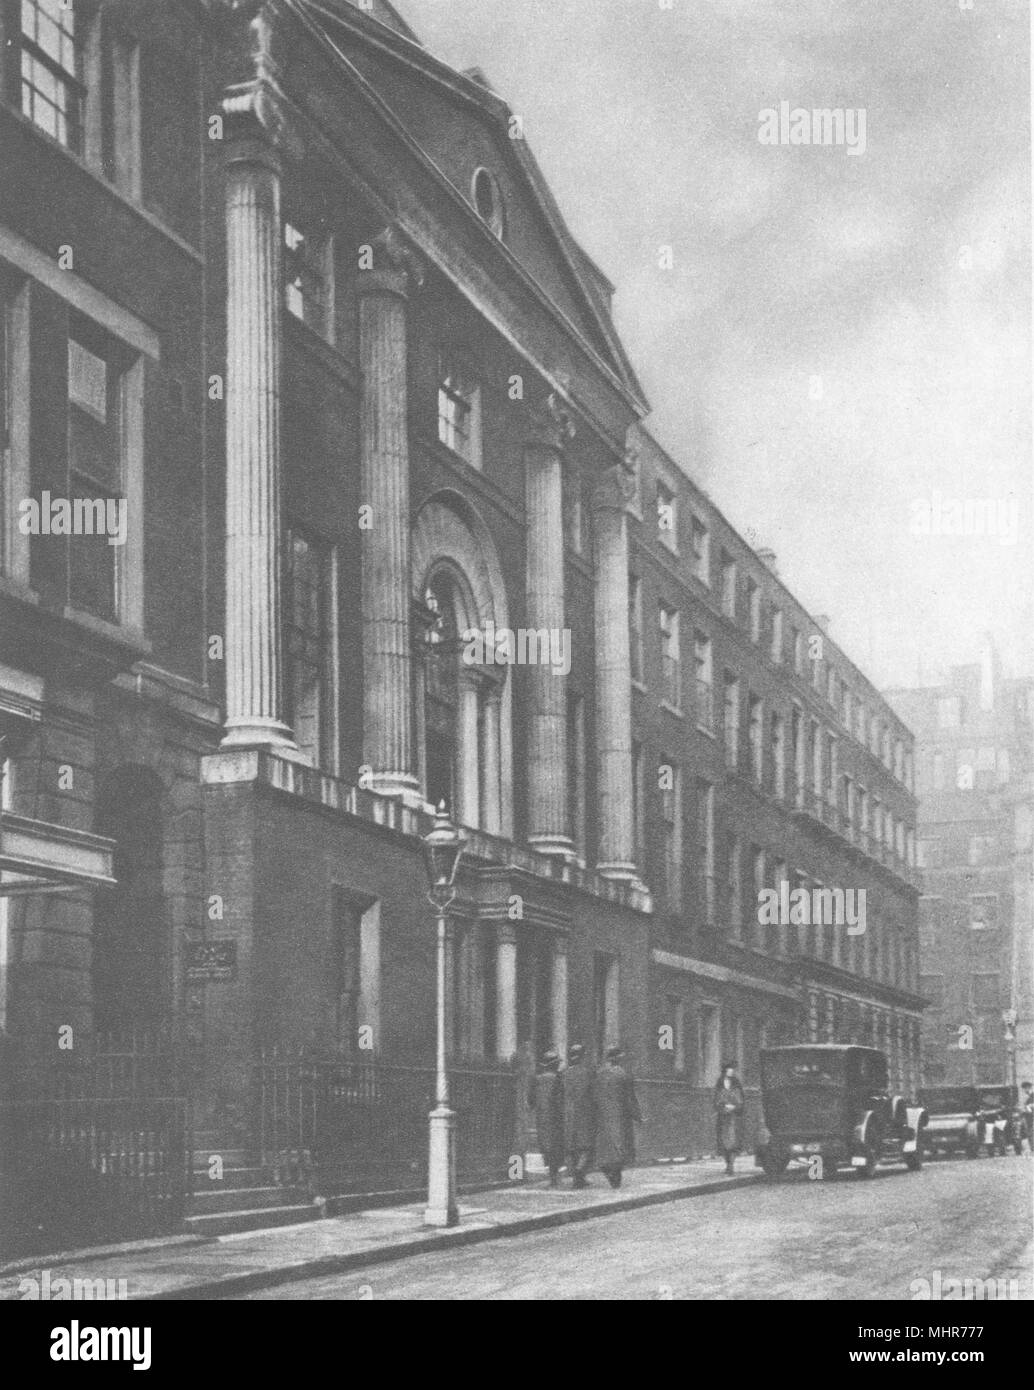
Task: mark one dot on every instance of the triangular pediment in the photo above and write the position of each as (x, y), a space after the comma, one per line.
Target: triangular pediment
(462, 126)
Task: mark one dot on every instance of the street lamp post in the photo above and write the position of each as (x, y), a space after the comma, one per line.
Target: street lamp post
(443, 847)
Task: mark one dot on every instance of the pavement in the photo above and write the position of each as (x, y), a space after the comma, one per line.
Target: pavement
(956, 1231)
(231, 1266)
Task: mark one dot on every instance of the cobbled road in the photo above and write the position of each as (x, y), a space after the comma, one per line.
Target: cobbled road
(794, 1239)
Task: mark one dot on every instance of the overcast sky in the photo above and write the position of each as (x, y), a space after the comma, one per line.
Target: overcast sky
(899, 277)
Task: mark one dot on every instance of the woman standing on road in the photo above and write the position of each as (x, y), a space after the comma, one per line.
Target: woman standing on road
(728, 1103)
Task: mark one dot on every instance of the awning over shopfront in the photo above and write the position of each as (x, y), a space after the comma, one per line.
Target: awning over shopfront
(36, 857)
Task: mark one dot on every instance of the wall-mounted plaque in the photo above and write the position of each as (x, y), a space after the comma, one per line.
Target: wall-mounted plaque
(212, 960)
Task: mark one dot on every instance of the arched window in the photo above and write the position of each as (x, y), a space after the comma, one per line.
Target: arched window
(129, 939)
(462, 697)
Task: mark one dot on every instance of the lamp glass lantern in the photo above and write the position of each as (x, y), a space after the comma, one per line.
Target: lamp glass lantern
(443, 849)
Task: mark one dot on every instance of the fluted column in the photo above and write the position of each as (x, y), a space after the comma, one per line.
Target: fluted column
(468, 792)
(548, 829)
(506, 992)
(616, 850)
(384, 448)
(254, 681)
(558, 990)
(491, 808)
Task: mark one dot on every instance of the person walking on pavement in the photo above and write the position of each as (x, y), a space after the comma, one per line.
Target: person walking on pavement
(617, 1111)
(729, 1102)
(546, 1099)
(579, 1116)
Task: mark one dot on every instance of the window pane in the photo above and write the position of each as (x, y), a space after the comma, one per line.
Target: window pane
(92, 564)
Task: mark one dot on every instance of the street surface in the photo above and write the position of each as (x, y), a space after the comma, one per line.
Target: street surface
(795, 1239)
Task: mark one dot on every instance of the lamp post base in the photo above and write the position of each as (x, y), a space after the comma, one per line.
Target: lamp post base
(441, 1169)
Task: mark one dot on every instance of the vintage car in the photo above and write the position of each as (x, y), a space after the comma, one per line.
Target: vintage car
(955, 1121)
(832, 1102)
(998, 1109)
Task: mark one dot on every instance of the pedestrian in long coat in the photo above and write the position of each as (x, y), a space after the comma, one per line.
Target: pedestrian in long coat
(617, 1111)
(729, 1103)
(546, 1098)
(579, 1114)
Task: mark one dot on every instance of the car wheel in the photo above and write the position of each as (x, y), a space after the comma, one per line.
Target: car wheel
(871, 1153)
(774, 1165)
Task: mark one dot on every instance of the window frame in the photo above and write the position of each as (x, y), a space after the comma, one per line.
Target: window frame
(326, 756)
(671, 656)
(456, 383)
(309, 262)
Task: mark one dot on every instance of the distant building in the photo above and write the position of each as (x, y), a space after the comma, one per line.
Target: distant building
(973, 778)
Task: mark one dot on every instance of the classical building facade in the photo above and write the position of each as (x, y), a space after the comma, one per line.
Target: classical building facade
(973, 774)
(294, 295)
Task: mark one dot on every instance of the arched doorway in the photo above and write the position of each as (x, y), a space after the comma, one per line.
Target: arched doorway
(130, 945)
(463, 697)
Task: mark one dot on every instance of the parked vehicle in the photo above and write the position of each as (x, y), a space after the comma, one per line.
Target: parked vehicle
(1002, 1119)
(955, 1122)
(833, 1101)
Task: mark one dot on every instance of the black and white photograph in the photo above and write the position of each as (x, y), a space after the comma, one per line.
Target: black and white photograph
(516, 665)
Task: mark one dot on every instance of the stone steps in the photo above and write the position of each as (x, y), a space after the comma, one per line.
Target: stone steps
(246, 1197)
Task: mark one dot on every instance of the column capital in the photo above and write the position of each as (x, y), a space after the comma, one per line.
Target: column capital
(551, 424)
(259, 124)
(615, 489)
(505, 932)
(396, 267)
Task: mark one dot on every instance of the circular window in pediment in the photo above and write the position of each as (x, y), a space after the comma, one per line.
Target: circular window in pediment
(488, 200)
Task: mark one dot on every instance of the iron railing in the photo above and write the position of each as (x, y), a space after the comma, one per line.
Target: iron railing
(361, 1126)
(94, 1144)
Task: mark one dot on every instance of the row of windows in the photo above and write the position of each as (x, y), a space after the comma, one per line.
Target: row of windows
(869, 730)
(899, 762)
(984, 990)
(747, 871)
(979, 910)
(80, 83)
(813, 753)
(969, 769)
(980, 851)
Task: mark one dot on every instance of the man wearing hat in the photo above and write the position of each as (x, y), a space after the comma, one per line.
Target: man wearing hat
(617, 1111)
(546, 1098)
(579, 1114)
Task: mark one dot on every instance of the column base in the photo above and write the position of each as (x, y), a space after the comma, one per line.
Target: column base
(401, 784)
(441, 1209)
(622, 873)
(262, 733)
(556, 846)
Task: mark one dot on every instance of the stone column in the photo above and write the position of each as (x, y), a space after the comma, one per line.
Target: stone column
(254, 680)
(468, 791)
(506, 992)
(559, 994)
(616, 847)
(548, 830)
(491, 810)
(384, 465)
